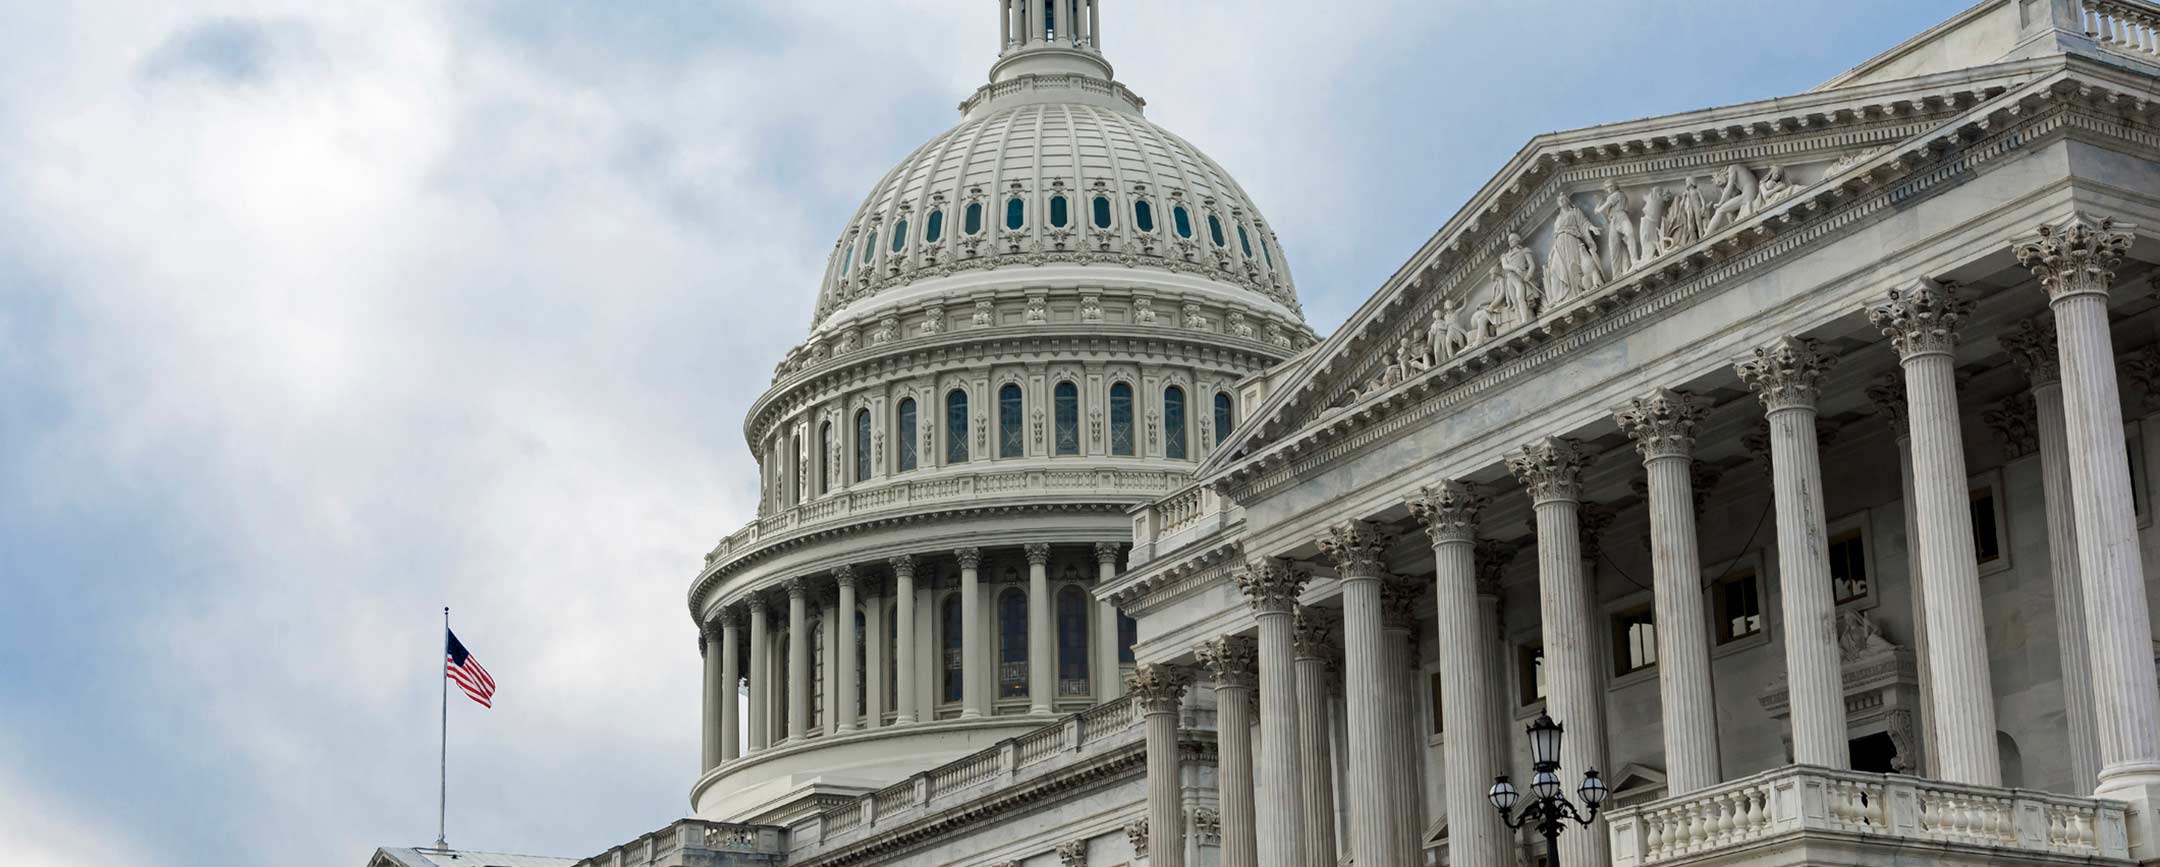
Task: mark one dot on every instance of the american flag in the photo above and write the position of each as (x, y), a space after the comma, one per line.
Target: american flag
(467, 673)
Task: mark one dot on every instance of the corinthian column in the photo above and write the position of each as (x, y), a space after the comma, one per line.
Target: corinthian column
(1469, 712)
(1404, 759)
(798, 685)
(1663, 425)
(2032, 345)
(1358, 549)
(709, 722)
(903, 568)
(2075, 264)
(1787, 375)
(972, 696)
(1107, 682)
(1272, 586)
(1551, 471)
(844, 719)
(1042, 690)
(1888, 396)
(1157, 688)
(760, 677)
(1922, 320)
(1231, 660)
(1315, 746)
(731, 620)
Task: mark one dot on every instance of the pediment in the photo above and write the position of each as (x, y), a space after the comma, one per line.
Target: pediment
(1536, 255)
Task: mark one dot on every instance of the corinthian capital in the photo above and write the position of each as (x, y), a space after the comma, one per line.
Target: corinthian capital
(796, 588)
(1107, 552)
(1233, 659)
(1358, 548)
(1887, 393)
(1550, 469)
(1271, 584)
(1450, 510)
(903, 566)
(1158, 686)
(1787, 374)
(970, 558)
(2016, 423)
(1922, 318)
(1493, 557)
(2077, 257)
(2031, 343)
(1399, 604)
(1663, 423)
(732, 615)
(844, 576)
(1311, 635)
(1038, 553)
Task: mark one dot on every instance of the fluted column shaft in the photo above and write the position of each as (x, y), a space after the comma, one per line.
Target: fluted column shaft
(904, 639)
(1272, 586)
(2075, 264)
(1108, 683)
(1469, 708)
(1315, 749)
(798, 682)
(730, 674)
(1042, 686)
(1157, 688)
(1232, 660)
(845, 720)
(1357, 549)
(760, 679)
(1922, 321)
(709, 720)
(973, 698)
(1404, 761)
(1663, 425)
(1787, 375)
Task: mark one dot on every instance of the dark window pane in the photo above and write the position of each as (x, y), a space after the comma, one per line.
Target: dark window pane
(1214, 230)
(904, 438)
(1739, 607)
(1634, 636)
(1128, 634)
(1244, 240)
(1102, 212)
(862, 667)
(1068, 418)
(1530, 673)
(1222, 416)
(1173, 423)
(971, 223)
(956, 427)
(1121, 427)
(899, 236)
(1143, 216)
(847, 260)
(1058, 212)
(1432, 686)
(1072, 661)
(1266, 253)
(1848, 567)
(934, 226)
(862, 446)
(1015, 213)
(950, 637)
(1987, 541)
(1181, 221)
(824, 458)
(1012, 644)
(1012, 442)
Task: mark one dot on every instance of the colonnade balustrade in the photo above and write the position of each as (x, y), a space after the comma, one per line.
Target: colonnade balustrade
(2110, 681)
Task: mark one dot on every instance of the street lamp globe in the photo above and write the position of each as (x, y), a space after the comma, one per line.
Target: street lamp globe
(1502, 794)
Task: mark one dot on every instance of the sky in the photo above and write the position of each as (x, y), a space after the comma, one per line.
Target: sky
(318, 317)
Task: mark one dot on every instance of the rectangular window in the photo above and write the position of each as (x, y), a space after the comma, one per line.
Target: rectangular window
(1737, 600)
(1530, 672)
(1634, 636)
(1987, 538)
(1848, 566)
(1432, 685)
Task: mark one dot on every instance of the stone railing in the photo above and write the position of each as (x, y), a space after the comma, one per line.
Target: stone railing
(1103, 727)
(1977, 824)
(695, 843)
(939, 487)
(1174, 521)
(2129, 27)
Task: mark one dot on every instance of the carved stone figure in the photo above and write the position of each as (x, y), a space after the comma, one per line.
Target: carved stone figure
(1038, 310)
(1238, 326)
(1143, 311)
(1860, 637)
(1622, 248)
(1091, 308)
(1276, 334)
(1683, 224)
(1490, 320)
(1518, 278)
(934, 321)
(1737, 195)
(1445, 336)
(1650, 231)
(1412, 352)
(888, 330)
(985, 313)
(846, 343)
(1572, 265)
(1774, 188)
(1193, 317)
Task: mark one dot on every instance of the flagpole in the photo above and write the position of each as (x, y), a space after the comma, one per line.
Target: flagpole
(442, 803)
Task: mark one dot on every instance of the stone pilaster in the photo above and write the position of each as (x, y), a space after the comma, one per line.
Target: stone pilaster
(2075, 263)
(760, 676)
(1787, 375)
(1233, 660)
(1663, 425)
(1550, 470)
(731, 622)
(1922, 321)
(2031, 344)
(903, 568)
(1272, 586)
(974, 696)
(1358, 550)
(1157, 688)
(1108, 685)
(1469, 711)
(844, 628)
(1314, 646)
(798, 677)
(1042, 671)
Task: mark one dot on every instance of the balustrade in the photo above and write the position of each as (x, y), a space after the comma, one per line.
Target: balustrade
(2123, 26)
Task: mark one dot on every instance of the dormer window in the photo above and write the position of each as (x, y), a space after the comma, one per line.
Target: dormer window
(1181, 220)
(972, 221)
(1143, 216)
(1102, 212)
(1214, 230)
(1060, 212)
(1015, 214)
(934, 226)
(899, 236)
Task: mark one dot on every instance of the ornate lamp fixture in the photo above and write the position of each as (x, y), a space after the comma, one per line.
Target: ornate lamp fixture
(1550, 808)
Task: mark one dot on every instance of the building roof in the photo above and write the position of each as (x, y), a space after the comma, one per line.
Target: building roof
(430, 857)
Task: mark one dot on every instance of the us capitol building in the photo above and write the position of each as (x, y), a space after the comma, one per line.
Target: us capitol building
(1791, 454)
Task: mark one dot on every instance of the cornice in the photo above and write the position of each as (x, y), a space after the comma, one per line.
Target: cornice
(1168, 579)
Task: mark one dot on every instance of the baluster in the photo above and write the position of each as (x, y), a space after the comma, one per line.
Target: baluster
(1758, 801)
(1726, 807)
(1653, 835)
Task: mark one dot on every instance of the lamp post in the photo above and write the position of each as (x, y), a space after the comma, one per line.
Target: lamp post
(1550, 808)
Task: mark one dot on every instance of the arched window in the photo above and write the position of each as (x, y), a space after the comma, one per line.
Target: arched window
(904, 438)
(1143, 216)
(956, 427)
(862, 669)
(1072, 660)
(971, 221)
(934, 226)
(1223, 419)
(862, 445)
(795, 474)
(824, 458)
(1015, 213)
(1121, 431)
(1181, 220)
(1012, 443)
(1173, 423)
(1067, 409)
(1128, 633)
(1102, 212)
(1012, 644)
(1244, 240)
(899, 236)
(949, 639)
(1214, 230)
(1060, 212)
(817, 674)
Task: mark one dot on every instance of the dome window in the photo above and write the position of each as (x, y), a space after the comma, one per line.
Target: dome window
(1143, 216)
(1060, 212)
(899, 236)
(905, 454)
(1066, 402)
(869, 248)
(1214, 231)
(1102, 212)
(934, 226)
(862, 445)
(971, 222)
(1267, 254)
(1012, 443)
(956, 427)
(1121, 415)
(1223, 418)
(1015, 213)
(847, 261)
(1244, 240)
(1173, 422)
(1181, 220)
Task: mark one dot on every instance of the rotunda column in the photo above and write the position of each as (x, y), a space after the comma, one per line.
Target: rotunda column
(1272, 587)
(1450, 512)
(1108, 683)
(1231, 659)
(1358, 550)
(1314, 646)
(1158, 688)
(1787, 375)
(1042, 688)
(731, 620)
(903, 568)
(709, 721)
(971, 634)
(760, 676)
(798, 685)
(843, 627)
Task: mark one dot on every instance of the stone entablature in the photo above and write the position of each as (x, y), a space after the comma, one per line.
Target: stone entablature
(2061, 97)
